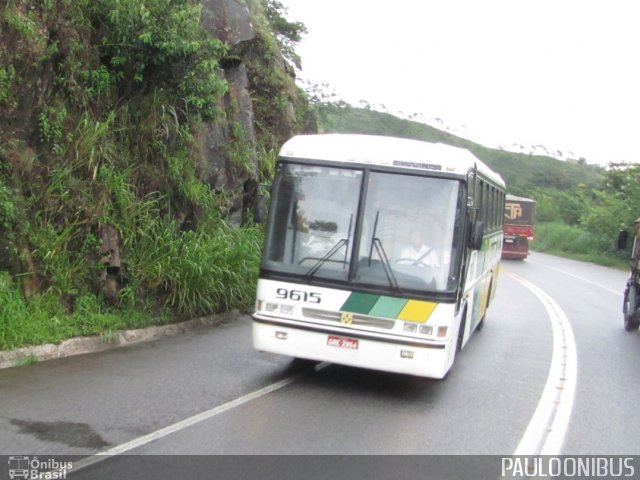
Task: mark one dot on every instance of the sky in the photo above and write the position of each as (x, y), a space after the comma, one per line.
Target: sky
(563, 74)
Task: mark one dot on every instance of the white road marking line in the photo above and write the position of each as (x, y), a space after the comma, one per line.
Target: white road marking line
(548, 425)
(578, 278)
(188, 422)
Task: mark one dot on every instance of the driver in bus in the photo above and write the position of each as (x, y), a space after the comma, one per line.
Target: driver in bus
(418, 253)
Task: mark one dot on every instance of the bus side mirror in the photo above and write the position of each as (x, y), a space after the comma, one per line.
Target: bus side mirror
(477, 235)
(623, 237)
(260, 209)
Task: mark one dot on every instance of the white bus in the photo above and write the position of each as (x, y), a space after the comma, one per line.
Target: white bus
(340, 280)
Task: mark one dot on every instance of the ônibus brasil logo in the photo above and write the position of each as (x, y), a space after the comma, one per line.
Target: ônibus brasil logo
(34, 468)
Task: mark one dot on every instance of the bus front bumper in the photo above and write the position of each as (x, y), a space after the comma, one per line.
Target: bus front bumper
(352, 348)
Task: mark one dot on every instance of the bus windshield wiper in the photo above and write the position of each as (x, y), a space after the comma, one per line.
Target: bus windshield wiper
(312, 271)
(386, 264)
(343, 241)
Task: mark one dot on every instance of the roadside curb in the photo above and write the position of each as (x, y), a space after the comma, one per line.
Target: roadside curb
(112, 340)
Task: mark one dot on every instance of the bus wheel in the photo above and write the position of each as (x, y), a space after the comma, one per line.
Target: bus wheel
(630, 308)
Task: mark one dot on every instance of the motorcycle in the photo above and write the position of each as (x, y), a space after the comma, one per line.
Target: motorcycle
(631, 302)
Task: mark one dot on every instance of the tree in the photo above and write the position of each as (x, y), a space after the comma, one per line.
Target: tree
(288, 33)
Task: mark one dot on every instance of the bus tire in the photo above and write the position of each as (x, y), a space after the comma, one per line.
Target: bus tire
(630, 308)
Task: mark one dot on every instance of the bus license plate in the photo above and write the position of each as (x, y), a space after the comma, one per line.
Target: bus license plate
(342, 342)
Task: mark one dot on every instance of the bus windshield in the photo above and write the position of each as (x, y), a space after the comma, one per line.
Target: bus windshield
(408, 227)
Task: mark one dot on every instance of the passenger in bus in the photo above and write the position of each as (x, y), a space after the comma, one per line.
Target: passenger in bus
(418, 253)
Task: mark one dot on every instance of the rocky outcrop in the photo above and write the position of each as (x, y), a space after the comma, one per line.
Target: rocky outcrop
(230, 144)
(72, 99)
(228, 20)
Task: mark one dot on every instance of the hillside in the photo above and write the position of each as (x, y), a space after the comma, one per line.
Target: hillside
(580, 207)
(134, 137)
(523, 173)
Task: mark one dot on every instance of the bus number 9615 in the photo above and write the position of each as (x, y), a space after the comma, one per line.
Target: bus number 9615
(298, 295)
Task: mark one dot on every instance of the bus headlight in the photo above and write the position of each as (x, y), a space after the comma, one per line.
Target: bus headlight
(286, 309)
(423, 329)
(426, 329)
(270, 307)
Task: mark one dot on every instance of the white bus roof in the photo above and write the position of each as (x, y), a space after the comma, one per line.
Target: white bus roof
(386, 151)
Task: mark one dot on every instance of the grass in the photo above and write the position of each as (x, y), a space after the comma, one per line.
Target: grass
(192, 273)
(211, 269)
(573, 242)
(44, 319)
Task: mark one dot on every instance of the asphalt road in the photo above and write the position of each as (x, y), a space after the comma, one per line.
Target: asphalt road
(209, 392)
(605, 416)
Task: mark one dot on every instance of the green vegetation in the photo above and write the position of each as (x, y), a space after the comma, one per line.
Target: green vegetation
(43, 319)
(171, 276)
(577, 243)
(288, 33)
(580, 209)
(273, 110)
(113, 214)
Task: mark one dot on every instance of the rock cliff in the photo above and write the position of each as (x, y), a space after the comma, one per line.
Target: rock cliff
(116, 116)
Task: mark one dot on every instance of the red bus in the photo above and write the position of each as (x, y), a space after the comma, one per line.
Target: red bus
(519, 215)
